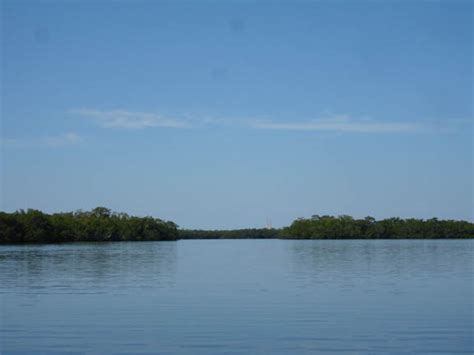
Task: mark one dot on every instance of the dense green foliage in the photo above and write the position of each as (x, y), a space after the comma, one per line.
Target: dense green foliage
(346, 227)
(100, 224)
(261, 233)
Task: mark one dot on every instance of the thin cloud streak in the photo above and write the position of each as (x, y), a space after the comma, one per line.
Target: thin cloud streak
(54, 141)
(336, 123)
(341, 123)
(130, 120)
(62, 140)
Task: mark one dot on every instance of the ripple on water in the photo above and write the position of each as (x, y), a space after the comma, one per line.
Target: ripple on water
(238, 296)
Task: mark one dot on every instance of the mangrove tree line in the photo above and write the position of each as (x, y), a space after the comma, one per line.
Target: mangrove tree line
(100, 224)
(346, 227)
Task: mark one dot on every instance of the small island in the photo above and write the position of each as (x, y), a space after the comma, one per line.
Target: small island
(101, 224)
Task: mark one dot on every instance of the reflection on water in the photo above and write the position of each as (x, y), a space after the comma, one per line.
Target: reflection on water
(390, 258)
(238, 296)
(86, 267)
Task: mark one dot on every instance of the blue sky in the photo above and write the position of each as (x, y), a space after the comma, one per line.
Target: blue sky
(226, 114)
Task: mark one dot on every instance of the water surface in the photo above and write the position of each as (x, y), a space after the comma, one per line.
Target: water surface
(238, 297)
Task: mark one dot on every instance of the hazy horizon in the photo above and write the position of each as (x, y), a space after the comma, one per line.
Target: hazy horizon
(227, 115)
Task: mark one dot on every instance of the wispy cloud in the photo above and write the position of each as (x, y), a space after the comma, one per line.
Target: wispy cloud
(55, 141)
(339, 123)
(129, 119)
(329, 123)
(62, 140)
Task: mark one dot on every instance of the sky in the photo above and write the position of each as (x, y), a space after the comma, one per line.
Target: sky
(230, 114)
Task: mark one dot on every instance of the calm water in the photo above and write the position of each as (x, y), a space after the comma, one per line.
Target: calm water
(238, 296)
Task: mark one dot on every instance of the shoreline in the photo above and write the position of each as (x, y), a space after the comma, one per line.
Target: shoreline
(103, 225)
(214, 239)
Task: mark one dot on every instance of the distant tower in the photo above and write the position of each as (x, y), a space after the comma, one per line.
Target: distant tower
(268, 224)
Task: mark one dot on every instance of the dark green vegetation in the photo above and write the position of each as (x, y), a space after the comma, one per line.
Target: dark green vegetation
(101, 224)
(261, 233)
(346, 227)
